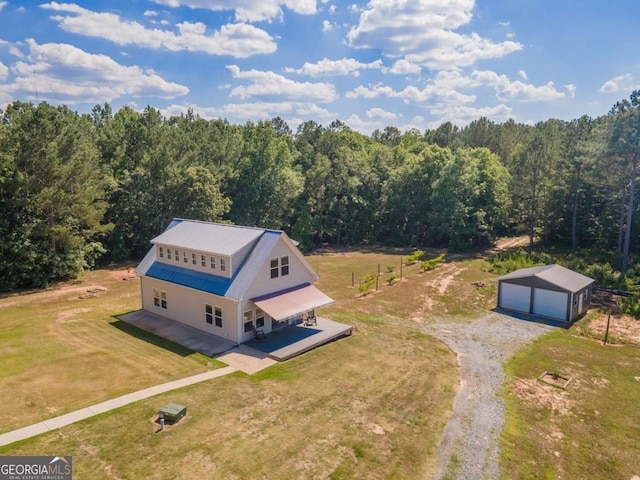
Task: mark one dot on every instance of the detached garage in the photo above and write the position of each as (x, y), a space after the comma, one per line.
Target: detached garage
(549, 291)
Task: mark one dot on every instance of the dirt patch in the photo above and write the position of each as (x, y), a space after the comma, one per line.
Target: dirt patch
(623, 329)
(68, 315)
(533, 391)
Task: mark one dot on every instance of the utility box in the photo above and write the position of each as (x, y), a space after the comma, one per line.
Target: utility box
(173, 412)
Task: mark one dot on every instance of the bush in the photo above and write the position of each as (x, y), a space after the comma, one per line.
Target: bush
(392, 279)
(631, 306)
(390, 268)
(367, 282)
(414, 257)
(431, 264)
(604, 275)
(503, 263)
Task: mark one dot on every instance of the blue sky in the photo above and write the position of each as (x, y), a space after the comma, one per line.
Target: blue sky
(406, 63)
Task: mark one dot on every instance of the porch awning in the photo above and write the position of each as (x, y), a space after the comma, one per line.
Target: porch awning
(291, 302)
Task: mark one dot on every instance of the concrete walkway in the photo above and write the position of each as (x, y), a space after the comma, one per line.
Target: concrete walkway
(72, 417)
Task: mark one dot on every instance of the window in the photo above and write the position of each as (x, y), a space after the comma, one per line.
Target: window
(203, 260)
(168, 254)
(184, 257)
(213, 263)
(223, 264)
(248, 321)
(194, 259)
(177, 252)
(259, 318)
(284, 265)
(208, 314)
(161, 252)
(279, 266)
(217, 313)
(160, 298)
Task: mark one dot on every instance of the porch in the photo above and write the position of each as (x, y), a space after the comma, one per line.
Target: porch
(279, 345)
(292, 340)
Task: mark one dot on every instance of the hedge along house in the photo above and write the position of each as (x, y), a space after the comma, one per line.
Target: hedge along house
(227, 280)
(550, 291)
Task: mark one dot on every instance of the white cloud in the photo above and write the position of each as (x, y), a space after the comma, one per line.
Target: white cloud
(150, 13)
(332, 9)
(464, 114)
(247, 10)
(272, 84)
(239, 40)
(402, 67)
(523, 74)
(444, 88)
(2, 5)
(4, 71)
(326, 67)
(381, 114)
(326, 26)
(422, 31)
(67, 74)
(624, 82)
(571, 88)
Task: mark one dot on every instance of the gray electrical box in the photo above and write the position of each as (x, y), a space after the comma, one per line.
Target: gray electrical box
(173, 412)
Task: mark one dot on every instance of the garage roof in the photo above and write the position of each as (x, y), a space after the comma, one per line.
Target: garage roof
(555, 274)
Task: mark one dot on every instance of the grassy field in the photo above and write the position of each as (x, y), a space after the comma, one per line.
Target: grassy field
(373, 405)
(62, 348)
(591, 430)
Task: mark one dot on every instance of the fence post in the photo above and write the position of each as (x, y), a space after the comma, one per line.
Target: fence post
(400, 267)
(353, 279)
(606, 333)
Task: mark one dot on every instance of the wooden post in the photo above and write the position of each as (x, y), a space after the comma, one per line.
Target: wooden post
(400, 267)
(353, 279)
(377, 277)
(378, 269)
(606, 332)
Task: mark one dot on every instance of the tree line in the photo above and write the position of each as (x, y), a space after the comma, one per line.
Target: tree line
(76, 189)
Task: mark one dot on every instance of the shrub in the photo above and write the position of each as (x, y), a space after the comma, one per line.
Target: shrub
(367, 282)
(392, 279)
(431, 264)
(390, 268)
(503, 263)
(631, 306)
(414, 257)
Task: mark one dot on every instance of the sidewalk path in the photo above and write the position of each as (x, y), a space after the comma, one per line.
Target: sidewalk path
(72, 417)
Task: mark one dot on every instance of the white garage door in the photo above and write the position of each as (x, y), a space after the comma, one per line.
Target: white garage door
(515, 297)
(550, 304)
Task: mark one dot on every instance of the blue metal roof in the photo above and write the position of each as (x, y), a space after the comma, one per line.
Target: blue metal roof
(189, 278)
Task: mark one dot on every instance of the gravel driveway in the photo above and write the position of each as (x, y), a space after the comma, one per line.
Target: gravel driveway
(473, 431)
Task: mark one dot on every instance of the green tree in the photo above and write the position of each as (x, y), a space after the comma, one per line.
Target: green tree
(63, 187)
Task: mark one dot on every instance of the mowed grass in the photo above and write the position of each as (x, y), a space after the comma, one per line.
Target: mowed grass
(370, 406)
(591, 430)
(62, 349)
(373, 405)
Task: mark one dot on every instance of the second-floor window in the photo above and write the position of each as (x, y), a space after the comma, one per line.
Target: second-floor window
(223, 265)
(279, 266)
(161, 252)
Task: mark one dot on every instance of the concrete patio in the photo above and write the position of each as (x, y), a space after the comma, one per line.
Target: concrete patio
(278, 346)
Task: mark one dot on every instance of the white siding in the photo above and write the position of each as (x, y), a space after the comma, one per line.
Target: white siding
(187, 306)
(515, 297)
(550, 304)
(263, 284)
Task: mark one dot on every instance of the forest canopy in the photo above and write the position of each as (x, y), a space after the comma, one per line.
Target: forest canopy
(76, 189)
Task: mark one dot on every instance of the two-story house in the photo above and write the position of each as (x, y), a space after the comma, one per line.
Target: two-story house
(227, 280)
